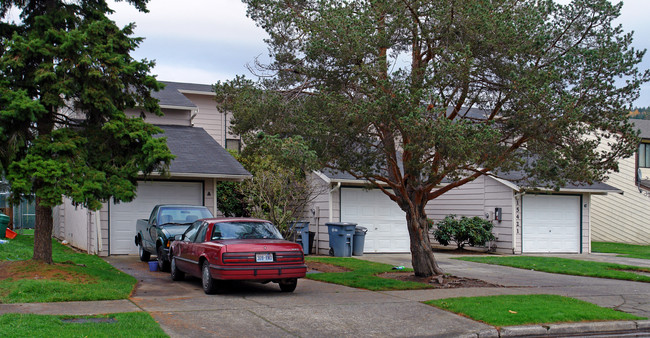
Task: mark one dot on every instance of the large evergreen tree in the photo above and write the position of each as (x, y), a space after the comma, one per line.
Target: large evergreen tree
(383, 89)
(66, 78)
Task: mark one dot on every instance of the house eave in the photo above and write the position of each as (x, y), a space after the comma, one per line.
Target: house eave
(224, 177)
(166, 106)
(196, 92)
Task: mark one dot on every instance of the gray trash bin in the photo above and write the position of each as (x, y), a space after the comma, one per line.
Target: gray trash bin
(341, 237)
(301, 232)
(358, 240)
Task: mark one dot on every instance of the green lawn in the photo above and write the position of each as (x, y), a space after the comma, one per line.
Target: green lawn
(135, 324)
(512, 310)
(624, 250)
(362, 275)
(566, 266)
(73, 277)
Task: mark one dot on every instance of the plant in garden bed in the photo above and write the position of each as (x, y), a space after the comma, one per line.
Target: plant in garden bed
(508, 310)
(73, 276)
(474, 231)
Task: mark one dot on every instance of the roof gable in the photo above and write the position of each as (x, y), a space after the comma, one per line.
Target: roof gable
(198, 154)
(172, 95)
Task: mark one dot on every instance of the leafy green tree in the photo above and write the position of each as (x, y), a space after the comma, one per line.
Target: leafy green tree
(280, 188)
(420, 97)
(67, 77)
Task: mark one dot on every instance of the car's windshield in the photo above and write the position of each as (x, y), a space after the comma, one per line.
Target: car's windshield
(245, 230)
(183, 215)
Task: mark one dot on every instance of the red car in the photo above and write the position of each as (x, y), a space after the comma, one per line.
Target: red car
(222, 249)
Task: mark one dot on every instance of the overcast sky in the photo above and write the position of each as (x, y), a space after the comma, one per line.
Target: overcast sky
(204, 41)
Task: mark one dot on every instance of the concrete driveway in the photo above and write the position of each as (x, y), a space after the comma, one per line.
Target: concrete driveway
(314, 309)
(321, 309)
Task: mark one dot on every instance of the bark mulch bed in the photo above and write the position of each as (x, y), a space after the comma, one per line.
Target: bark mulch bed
(438, 282)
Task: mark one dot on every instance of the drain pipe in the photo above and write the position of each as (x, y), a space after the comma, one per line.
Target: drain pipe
(331, 203)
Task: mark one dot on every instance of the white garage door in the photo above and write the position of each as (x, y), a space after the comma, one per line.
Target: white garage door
(124, 215)
(551, 223)
(386, 222)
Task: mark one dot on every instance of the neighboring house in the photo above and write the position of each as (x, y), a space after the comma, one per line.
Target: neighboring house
(197, 134)
(529, 223)
(626, 218)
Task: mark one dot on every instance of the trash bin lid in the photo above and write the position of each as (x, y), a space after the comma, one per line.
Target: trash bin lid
(360, 229)
(341, 223)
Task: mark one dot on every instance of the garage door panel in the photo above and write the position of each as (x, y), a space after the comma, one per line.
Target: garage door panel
(386, 222)
(551, 223)
(123, 216)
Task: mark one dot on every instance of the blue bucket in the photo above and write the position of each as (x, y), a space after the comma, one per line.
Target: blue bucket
(153, 266)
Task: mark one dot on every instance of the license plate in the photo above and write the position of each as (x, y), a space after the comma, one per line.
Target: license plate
(264, 257)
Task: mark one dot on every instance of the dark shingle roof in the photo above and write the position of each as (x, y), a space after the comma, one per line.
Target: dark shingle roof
(198, 153)
(171, 95)
(643, 126)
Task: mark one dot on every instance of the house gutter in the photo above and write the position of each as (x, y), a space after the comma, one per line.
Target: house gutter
(225, 177)
(214, 192)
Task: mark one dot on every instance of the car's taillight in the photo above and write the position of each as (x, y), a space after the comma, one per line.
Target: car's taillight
(289, 256)
(238, 257)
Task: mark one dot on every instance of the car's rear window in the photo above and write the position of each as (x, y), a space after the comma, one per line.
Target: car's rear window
(183, 215)
(245, 230)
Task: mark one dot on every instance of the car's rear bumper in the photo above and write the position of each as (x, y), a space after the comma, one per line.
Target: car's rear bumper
(258, 272)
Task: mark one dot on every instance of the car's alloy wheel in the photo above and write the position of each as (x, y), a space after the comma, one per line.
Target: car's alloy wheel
(176, 273)
(209, 284)
(144, 254)
(288, 285)
(163, 264)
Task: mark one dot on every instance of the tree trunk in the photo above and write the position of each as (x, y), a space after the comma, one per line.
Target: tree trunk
(43, 233)
(424, 263)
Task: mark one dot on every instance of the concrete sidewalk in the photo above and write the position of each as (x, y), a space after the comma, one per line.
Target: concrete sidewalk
(321, 309)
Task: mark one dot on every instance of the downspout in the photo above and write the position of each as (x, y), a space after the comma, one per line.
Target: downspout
(98, 232)
(214, 191)
(331, 203)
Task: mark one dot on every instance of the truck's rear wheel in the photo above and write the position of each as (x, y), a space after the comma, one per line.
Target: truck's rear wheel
(163, 263)
(144, 254)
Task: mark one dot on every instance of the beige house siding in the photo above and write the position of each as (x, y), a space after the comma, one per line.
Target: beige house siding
(209, 117)
(479, 198)
(622, 218)
(76, 225)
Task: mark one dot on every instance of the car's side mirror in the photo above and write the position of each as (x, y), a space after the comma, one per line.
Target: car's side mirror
(178, 237)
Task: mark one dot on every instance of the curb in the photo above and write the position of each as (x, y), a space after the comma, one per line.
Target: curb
(569, 329)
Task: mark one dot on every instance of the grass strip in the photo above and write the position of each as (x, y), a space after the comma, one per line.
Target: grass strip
(74, 276)
(362, 275)
(132, 324)
(566, 266)
(510, 310)
(623, 250)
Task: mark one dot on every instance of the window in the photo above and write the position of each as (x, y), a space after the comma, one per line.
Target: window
(644, 155)
(190, 233)
(233, 144)
(200, 237)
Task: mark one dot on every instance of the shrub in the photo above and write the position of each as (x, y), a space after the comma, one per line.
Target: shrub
(474, 231)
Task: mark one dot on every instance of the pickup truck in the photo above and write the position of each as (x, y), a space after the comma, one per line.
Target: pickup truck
(154, 235)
